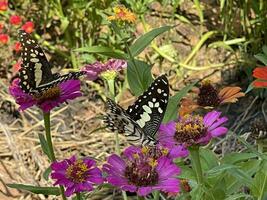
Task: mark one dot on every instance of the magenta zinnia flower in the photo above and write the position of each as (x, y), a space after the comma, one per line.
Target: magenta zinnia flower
(139, 171)
(110, 68)
(51, 98)
(76, 175)
(193, 129)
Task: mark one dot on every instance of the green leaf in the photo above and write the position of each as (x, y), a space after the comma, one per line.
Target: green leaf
(238, 196)
(209, 159)
(221, 168)
(241, 176)
(36, 189)
(107, 51)
(250, 87)
(259, 184)
(235, 157)
(261, 57)
(44, 145)
(139, 76)
(172, 108)
(264, 49)
(142, 42)
(47, 173)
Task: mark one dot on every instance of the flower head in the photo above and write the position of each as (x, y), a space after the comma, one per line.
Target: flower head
(76, 175)
(261, 74)
(122, 14)
(15, 19)
(193, 129)
(51, 98)
(107, 70)
(28, 27)
(4, 38)
(3, 5)
(17, 46)
(142, 172)
(207, 96)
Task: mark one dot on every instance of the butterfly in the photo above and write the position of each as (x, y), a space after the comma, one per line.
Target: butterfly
(35, 74)
(141, 121)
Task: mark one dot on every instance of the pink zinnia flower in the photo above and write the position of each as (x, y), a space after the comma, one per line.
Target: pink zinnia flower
(28, 27)
(192, 129)
(261, 74)
(76, 175)
(51, 98)
(4, 38)
(112, 66)
(15, 19)
(141, 172)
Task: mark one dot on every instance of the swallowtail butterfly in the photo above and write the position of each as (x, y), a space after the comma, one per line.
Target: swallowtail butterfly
(140, 122)
(35, 74)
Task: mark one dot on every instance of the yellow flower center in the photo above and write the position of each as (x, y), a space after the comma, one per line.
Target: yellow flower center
(77, 172)
(51, 93)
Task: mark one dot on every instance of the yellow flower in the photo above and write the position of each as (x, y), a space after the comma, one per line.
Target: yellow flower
(122, 14)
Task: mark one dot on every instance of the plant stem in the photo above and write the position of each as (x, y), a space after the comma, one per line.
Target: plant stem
(156, 195)
(194, 154)
(50, 145)
(78, 196)
(140, 198)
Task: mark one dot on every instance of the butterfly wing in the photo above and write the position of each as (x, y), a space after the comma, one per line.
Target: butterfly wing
(36, 69)
(149, 109)
(36, 75)
(118, 120)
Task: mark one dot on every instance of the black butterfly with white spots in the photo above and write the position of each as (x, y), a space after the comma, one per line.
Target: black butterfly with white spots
(35, 74)
(141, 121)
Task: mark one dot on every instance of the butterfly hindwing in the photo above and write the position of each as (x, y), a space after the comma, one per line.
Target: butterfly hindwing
(149, 109)
(118, 120)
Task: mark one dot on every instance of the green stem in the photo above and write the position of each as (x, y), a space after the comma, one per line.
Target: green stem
(140, 198)
(156, 195)
(194, 154)
(50, 145)
(78, 196)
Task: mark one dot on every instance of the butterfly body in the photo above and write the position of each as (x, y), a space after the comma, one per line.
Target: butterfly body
(140, 122)
(35, 74)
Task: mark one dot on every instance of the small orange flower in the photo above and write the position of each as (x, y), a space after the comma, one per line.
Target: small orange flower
(261, 74)
(122, 14)
(28, 27)
(16, 67)
(17, 47)
(4, 38)
(207, 96)
(3, 5)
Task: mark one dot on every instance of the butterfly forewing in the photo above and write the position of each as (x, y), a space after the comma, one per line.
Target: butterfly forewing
(34, 61)
(35, 74)
(148, 110)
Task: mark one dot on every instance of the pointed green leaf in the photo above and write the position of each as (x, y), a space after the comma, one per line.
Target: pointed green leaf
(238, 197)
(44, 145)
(36, 189)
(107, 51)
(235, 157)
(142, 42)
(47, 173)
(172, 108)
(261, 57)
(139, 76)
